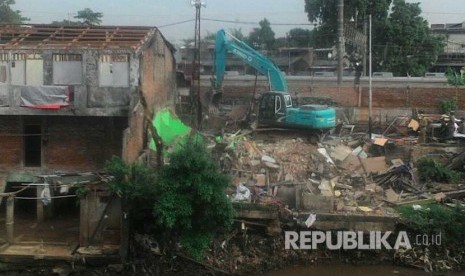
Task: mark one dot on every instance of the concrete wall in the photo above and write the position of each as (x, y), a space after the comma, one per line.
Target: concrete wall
(158, 86)
(68, 143)
(90, 99)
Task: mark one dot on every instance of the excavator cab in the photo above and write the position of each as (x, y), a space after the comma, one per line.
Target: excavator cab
(273, 107)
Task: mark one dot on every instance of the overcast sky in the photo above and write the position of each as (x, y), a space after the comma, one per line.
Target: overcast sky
(164, 12)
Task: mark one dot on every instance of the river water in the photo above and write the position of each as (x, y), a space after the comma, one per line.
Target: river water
(356, 270)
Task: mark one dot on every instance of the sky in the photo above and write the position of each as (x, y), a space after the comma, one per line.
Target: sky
(244, 14)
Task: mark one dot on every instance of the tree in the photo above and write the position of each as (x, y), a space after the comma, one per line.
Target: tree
(237, 33)
(402, 42)
(186, 197)
(324, 13)
(8, 15)
(410, 48)
(88, 16)
(262, 37)
(299, 37)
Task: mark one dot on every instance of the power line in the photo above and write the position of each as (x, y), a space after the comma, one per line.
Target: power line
(256, 23)
(176, 23)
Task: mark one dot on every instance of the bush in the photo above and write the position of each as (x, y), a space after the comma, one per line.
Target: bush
(192, 202)
(434, 219)
(447, 105)
(431, 170)
(186, 198)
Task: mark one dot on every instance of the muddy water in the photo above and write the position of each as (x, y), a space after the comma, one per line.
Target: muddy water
(359, 270)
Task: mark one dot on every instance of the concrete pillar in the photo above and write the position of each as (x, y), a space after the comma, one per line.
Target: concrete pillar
(10, 218)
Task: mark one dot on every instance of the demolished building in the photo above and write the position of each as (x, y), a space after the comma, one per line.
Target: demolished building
(69, 101)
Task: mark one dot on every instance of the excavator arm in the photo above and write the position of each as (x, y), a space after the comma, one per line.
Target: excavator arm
(226, 43)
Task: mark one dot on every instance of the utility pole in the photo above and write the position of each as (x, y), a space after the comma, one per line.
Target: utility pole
(340, 41)
(370, 92)
(196, 62)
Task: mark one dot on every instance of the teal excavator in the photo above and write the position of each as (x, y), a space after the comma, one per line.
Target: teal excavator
(275, 107)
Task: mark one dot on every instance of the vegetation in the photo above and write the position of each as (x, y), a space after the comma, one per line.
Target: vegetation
(262, 37)
(455, 79)
(447, 105)
(402, 40)
(431, 170)
(434, 219)
(187, 197)
(85, 16)
(8, 15)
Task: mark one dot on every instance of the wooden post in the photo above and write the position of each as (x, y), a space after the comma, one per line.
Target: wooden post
(10, 218)
(39, 204)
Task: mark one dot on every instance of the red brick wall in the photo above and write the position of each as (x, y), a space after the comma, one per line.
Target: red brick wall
(385, 97)
(10, 143)
(69, 143)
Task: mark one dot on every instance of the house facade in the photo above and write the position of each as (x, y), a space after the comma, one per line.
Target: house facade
(70, 100)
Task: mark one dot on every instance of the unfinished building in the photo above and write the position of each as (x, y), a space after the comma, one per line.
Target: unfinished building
(69, 101)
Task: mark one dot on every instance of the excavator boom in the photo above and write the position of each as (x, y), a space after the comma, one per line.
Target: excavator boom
(226, 43)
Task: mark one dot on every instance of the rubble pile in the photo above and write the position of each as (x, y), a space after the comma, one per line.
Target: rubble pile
(338, 175)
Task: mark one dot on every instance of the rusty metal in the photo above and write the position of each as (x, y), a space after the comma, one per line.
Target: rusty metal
(36, 36)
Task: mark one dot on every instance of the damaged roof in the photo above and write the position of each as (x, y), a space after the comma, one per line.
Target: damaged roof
(40, 36)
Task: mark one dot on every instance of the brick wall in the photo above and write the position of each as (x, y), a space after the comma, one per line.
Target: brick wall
(390, 95)
(68, 143)
(10, 144)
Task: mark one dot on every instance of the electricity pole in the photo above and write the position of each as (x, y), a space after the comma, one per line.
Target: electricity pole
(196, 62)
(340, 41)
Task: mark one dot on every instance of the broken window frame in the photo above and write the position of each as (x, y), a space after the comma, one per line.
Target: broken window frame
(111, 59)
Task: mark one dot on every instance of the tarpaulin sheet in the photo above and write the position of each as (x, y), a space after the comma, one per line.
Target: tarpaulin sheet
(170, 129)
(45, 97)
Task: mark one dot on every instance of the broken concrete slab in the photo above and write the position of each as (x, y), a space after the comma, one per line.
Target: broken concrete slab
(326, 188)
(266, 158)
(317, 203)
(392, 196)
(340, 152)
(375, 164)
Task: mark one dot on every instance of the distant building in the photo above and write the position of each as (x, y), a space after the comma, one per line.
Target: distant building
(454, 51)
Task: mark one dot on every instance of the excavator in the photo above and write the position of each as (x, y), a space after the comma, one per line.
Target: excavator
(275, 108)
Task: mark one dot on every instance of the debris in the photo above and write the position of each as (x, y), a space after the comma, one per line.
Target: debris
(310, 220)
(326, 155)
(391, 195)
(380, 141)
(260, 179)
(375, 164)
(358, 151)
(416, 207)
(340, 152)
(371, 187)
(317, 203)
(414, 125)
(272, 165)
(266, 158)
(364, 209)
(242, 193)
(439, 197)
(326, 188)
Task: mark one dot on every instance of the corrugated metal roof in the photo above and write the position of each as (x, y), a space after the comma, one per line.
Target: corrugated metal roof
(43, 36)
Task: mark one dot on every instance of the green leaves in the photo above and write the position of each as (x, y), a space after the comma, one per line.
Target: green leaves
(8, 15)
(191, 197)
(187, 196)
(431, 170)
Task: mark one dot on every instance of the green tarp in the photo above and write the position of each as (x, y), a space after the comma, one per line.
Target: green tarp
(169, 128)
